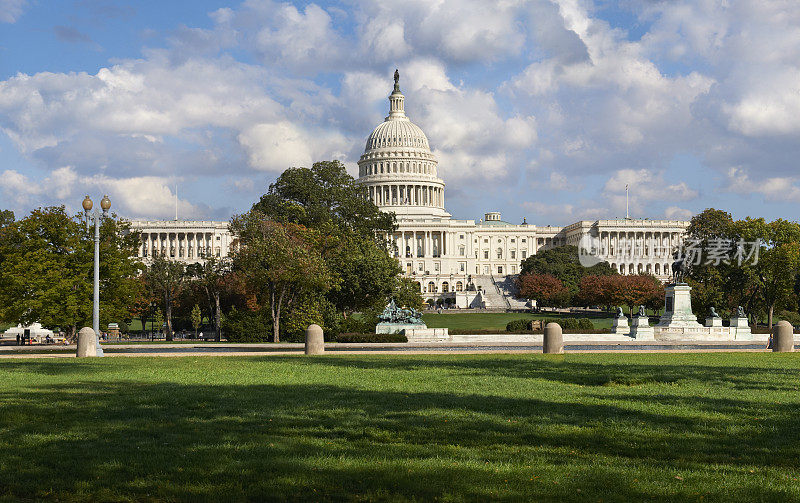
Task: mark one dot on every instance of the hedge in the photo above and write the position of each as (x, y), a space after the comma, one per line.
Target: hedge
(367, 337)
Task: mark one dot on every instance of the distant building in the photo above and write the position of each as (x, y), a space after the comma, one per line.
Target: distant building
(184, 240)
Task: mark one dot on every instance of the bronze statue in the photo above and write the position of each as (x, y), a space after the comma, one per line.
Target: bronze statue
(641, 311)
(620, 314)
(396, 76)
(394, 314)
(680, 269)
(740, 312)
(712, 313)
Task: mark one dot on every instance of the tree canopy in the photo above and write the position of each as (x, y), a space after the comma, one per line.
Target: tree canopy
(563, 264)
(46, 270)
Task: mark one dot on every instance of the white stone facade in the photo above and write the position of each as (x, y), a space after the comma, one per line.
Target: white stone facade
(184, 240)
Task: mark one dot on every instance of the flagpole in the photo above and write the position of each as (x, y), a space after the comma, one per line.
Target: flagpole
(627, 215)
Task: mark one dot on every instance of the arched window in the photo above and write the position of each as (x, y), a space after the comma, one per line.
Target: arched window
(499, 253)
(431, 287)
(459, 286)
(445, 287)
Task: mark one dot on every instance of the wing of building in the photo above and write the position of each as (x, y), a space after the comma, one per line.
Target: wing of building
(459, 262)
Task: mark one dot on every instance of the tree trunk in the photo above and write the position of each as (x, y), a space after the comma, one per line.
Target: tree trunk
(769, 316)
(217, 316)
(169, 321)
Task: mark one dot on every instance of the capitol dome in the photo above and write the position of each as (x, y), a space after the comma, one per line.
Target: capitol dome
(398, 168)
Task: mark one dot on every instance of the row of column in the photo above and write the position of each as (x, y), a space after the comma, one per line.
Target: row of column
(621, 244)
(425, 168)
(411, 195)
(422, 244)
(178, 245)
(643, 267)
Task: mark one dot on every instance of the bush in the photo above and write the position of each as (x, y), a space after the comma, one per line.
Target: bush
(247, 326)
(367, 337)
(518, 325)
(352, 325)
(569, 324)
(585, 324)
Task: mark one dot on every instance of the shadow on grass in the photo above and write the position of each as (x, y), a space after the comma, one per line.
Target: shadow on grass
(581, 372)
(171, 441)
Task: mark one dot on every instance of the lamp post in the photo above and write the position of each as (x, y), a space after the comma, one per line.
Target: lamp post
(105, 204)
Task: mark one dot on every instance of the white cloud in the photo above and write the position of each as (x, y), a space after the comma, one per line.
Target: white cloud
(11, 10)
(773, 189)
(677, 213)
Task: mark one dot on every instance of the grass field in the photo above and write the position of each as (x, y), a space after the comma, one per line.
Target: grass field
(609, 427)
(498, 321)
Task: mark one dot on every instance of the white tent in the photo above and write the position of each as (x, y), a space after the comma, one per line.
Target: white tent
(38, 334)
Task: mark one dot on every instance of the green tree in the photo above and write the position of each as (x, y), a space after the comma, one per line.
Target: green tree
(280, 262)
(197, 319)
(214, 277)
(324, 197)
(355, 249)
(406, 294)
(46, 270)
(158, 318)
(6, 218)
(166, 278)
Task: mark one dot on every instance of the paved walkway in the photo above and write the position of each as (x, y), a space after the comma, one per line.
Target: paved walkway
(269, 349)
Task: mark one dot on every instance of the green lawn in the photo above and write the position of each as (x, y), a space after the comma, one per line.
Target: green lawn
(587, 427)
(498, 321)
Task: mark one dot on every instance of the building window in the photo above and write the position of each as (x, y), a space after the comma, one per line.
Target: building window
(524, 240)
(486, 269)
(499, 269)
(499, 253)
(513, 240)
(524, 254)
(445, 287)
(460, 236)
(436, 266)
(421, 266)
(431, 287)
(485, 240)
(513, 254)
(459, 286)
(513, 269)
(486, 254)
(461, 251)
(462, 266)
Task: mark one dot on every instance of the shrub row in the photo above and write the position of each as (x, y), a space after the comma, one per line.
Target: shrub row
(566, 324)
(367, 337)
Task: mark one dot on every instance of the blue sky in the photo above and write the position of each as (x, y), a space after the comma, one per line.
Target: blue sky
(539, 109)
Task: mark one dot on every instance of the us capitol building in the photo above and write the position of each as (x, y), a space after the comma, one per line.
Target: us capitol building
(455, 262)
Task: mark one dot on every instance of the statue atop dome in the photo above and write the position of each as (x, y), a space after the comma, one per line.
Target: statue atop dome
(396, 80)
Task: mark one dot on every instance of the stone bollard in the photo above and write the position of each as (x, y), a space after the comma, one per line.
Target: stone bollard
(782, 337)
(315, 342)
(87, 345)
(553, 341)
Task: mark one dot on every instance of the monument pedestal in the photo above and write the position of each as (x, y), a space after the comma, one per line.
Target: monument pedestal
(641, 329)
(713, 321)
(740, 329)
(678, 321)
(620, 326)
(396, 328)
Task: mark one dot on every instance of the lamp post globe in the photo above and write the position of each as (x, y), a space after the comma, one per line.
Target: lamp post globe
(87, 204)
(105, 203)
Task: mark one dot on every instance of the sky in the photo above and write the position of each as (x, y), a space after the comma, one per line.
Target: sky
(540, 109)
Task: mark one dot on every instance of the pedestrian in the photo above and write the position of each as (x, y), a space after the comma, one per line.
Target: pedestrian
(769, 341)
(17, 339)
